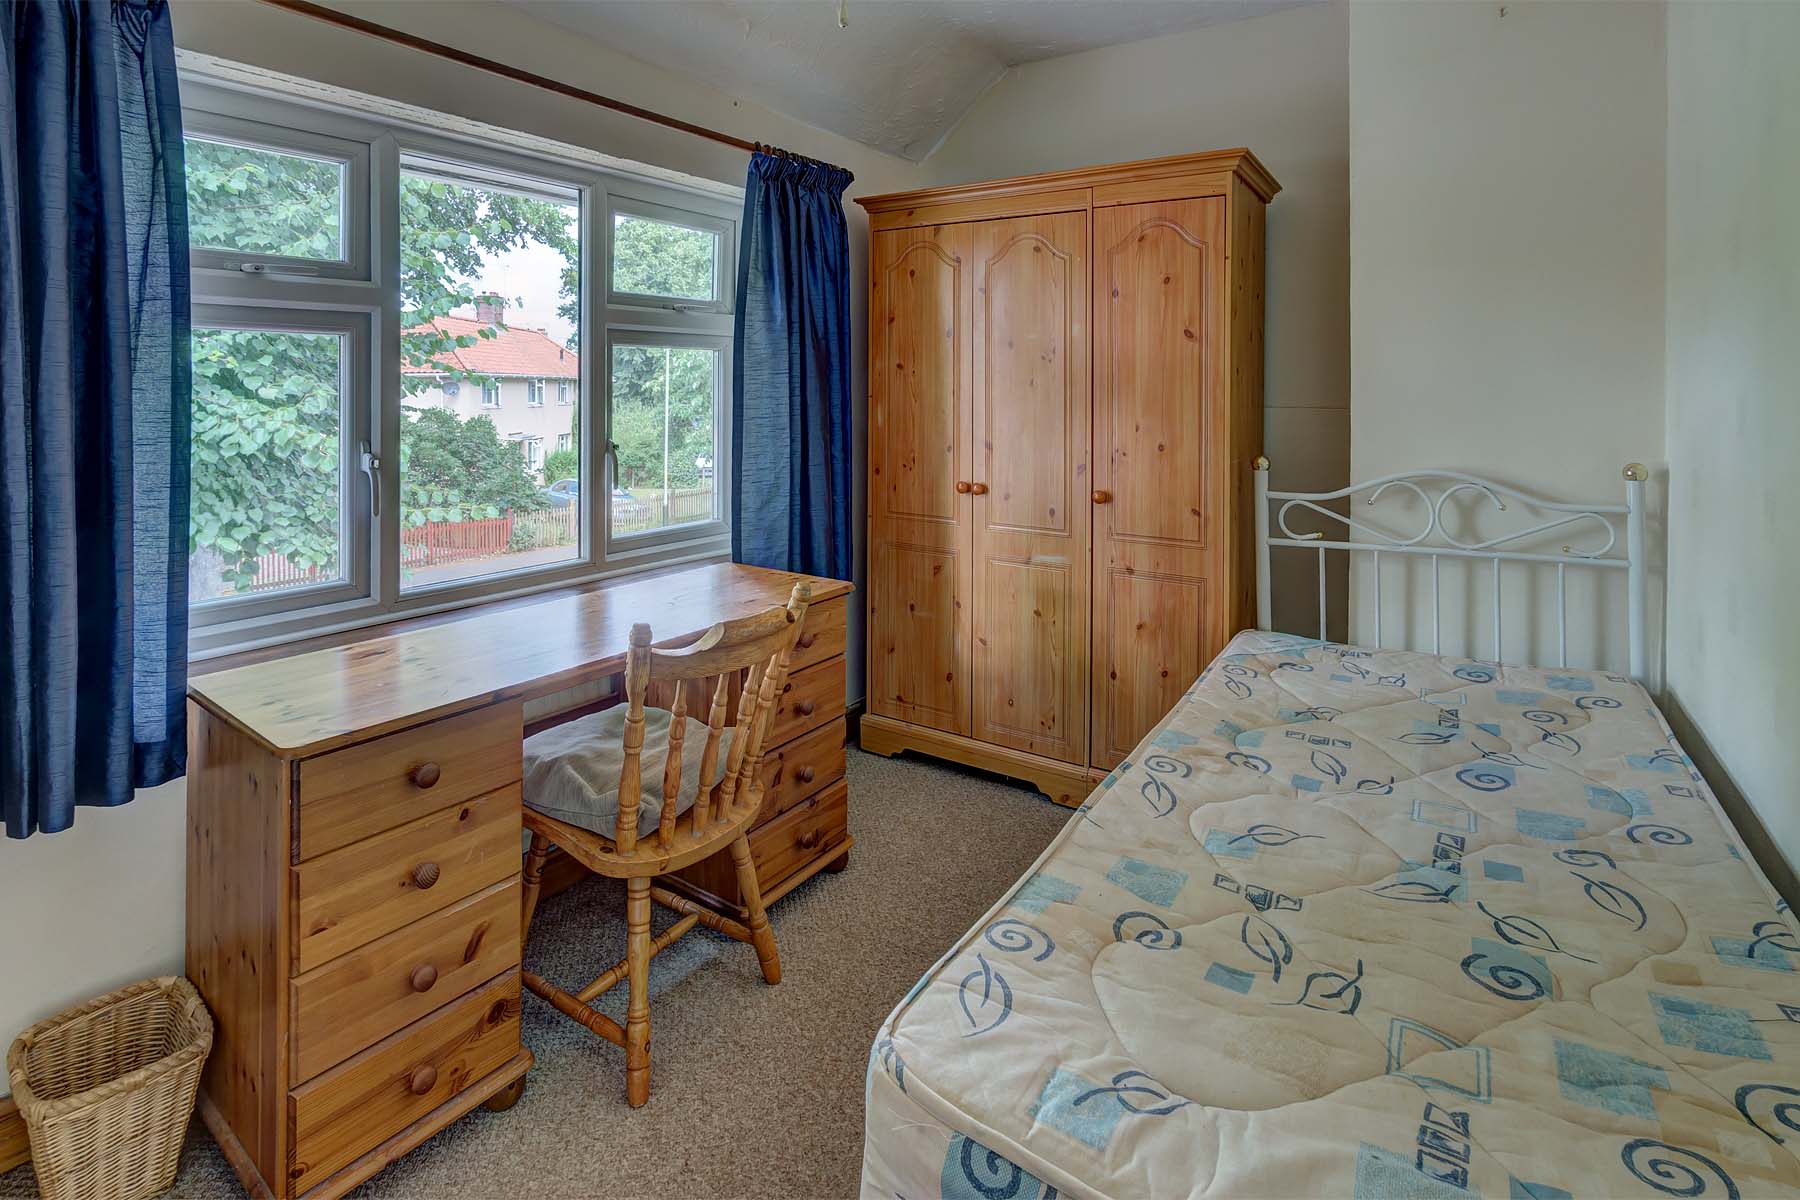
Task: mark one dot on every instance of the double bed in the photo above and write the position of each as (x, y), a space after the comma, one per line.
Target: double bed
(1369, 923)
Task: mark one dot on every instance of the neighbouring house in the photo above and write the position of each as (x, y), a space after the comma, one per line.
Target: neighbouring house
(526, 383)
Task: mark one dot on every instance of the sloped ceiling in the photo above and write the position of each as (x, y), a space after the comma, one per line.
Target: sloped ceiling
(902, 73)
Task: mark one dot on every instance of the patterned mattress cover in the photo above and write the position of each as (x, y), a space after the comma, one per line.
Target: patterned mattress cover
(1371, 924)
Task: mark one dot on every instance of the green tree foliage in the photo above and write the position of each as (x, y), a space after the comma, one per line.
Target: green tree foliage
(638, 401)
(562, 464)
(267, 403)
(654, 258)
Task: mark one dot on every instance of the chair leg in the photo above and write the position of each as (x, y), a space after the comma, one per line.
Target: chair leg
(534, 882)
(637, 1013)
(761, 936)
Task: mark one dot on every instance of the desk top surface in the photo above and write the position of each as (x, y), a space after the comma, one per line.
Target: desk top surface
(307, 703)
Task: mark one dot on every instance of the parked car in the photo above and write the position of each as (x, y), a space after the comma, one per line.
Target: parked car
(563, 493)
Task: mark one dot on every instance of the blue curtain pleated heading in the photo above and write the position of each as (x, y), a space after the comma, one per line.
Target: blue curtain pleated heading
(94, 376)
(790, 426)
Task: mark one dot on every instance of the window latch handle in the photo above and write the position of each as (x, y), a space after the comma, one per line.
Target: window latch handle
(371, 466)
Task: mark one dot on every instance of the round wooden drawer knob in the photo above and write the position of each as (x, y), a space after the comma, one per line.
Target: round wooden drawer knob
(1102, 496)
(806, 641)
(963, 487)
(980, 489)
(422, 1080)
(805, 708)
(804, 774)
(425, 775)
(423, 978)
(425, 876)
(809, 839)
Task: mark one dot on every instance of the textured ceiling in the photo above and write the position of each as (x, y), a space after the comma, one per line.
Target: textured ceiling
(904, 71)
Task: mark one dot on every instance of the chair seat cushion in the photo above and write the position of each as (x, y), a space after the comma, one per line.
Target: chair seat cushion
(572, 770)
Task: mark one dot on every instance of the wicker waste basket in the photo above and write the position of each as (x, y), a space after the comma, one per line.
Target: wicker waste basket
(106, 1089)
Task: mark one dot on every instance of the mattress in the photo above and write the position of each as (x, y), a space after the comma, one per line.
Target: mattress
(1366, 924)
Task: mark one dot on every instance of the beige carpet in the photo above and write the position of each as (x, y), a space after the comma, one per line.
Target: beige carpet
(755, 1091)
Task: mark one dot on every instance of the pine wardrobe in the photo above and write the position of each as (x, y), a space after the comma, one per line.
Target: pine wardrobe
(1065, 400)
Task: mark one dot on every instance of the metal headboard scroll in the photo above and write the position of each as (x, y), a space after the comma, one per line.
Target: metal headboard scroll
(1591, 530)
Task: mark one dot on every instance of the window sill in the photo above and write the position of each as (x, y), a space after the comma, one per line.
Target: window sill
(209, 661)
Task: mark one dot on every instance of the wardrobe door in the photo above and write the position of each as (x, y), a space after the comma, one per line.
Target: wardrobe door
(919, 538)
(1158, 433)
(1032, 514)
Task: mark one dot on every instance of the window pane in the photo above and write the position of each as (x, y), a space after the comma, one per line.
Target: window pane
(267, 490)
(492, 315)
(250, 201)
(656, 258)
(664, 405)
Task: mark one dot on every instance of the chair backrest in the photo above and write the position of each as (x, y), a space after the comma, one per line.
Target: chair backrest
(759, 645)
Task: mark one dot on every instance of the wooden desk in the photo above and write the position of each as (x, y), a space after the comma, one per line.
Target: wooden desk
(353, 858)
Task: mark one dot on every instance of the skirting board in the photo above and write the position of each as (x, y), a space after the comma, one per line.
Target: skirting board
(15, 1146)
(1065, 783)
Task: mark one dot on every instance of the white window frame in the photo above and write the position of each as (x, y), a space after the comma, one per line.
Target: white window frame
(356, 384)
(353, 211)
(646, 542)
(724, 263)
(224, 100)
(490, 387)
(534, 393)
(562, 394)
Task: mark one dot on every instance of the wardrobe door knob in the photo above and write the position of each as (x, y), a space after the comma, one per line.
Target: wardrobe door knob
(425, 876)
(425, 775)
(422, 1080)
(963, 487)
(1102, 496)
(980, 489)
(423, 978)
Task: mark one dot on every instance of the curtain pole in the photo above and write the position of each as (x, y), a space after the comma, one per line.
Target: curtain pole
(343, 20)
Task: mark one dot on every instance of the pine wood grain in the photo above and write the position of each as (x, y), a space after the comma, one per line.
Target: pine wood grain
(352, 1108)
(356, 1000)
(15, 1143)
(306, 704)
(968, 196)
(350, 794)
(1160, 424)
(1031, 525)
(920, 582)
(238, 817)
(353, 896)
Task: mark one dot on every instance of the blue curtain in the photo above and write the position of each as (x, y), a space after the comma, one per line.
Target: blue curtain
(93, 408)
(790, 394)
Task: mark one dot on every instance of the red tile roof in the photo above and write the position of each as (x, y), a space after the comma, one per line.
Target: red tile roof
(511, 351)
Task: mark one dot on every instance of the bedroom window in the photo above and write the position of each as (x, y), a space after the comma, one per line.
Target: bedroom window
(382, 304)
(665, 423)
(661, 255)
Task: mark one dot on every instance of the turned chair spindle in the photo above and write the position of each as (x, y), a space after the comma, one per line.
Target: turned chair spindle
(588, 801)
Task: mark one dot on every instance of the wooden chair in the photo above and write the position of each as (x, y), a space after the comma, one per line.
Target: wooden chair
(644, 844)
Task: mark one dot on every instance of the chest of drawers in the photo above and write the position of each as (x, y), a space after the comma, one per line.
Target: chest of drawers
(353, 923)
(354, 854)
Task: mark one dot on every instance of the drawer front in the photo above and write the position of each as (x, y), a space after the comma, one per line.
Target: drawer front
(354, 1001)
(810, 699)
(353, 1108)
(354, 895)
(822, 634)
(350, 794)
(805, 765)
(799, 835)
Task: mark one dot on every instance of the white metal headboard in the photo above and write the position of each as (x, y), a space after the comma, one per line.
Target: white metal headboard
(1435, 541)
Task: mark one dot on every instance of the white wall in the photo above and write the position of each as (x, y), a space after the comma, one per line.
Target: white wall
(103, 903)
(1277, 84)
(1733, 338)
(1506, 246)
